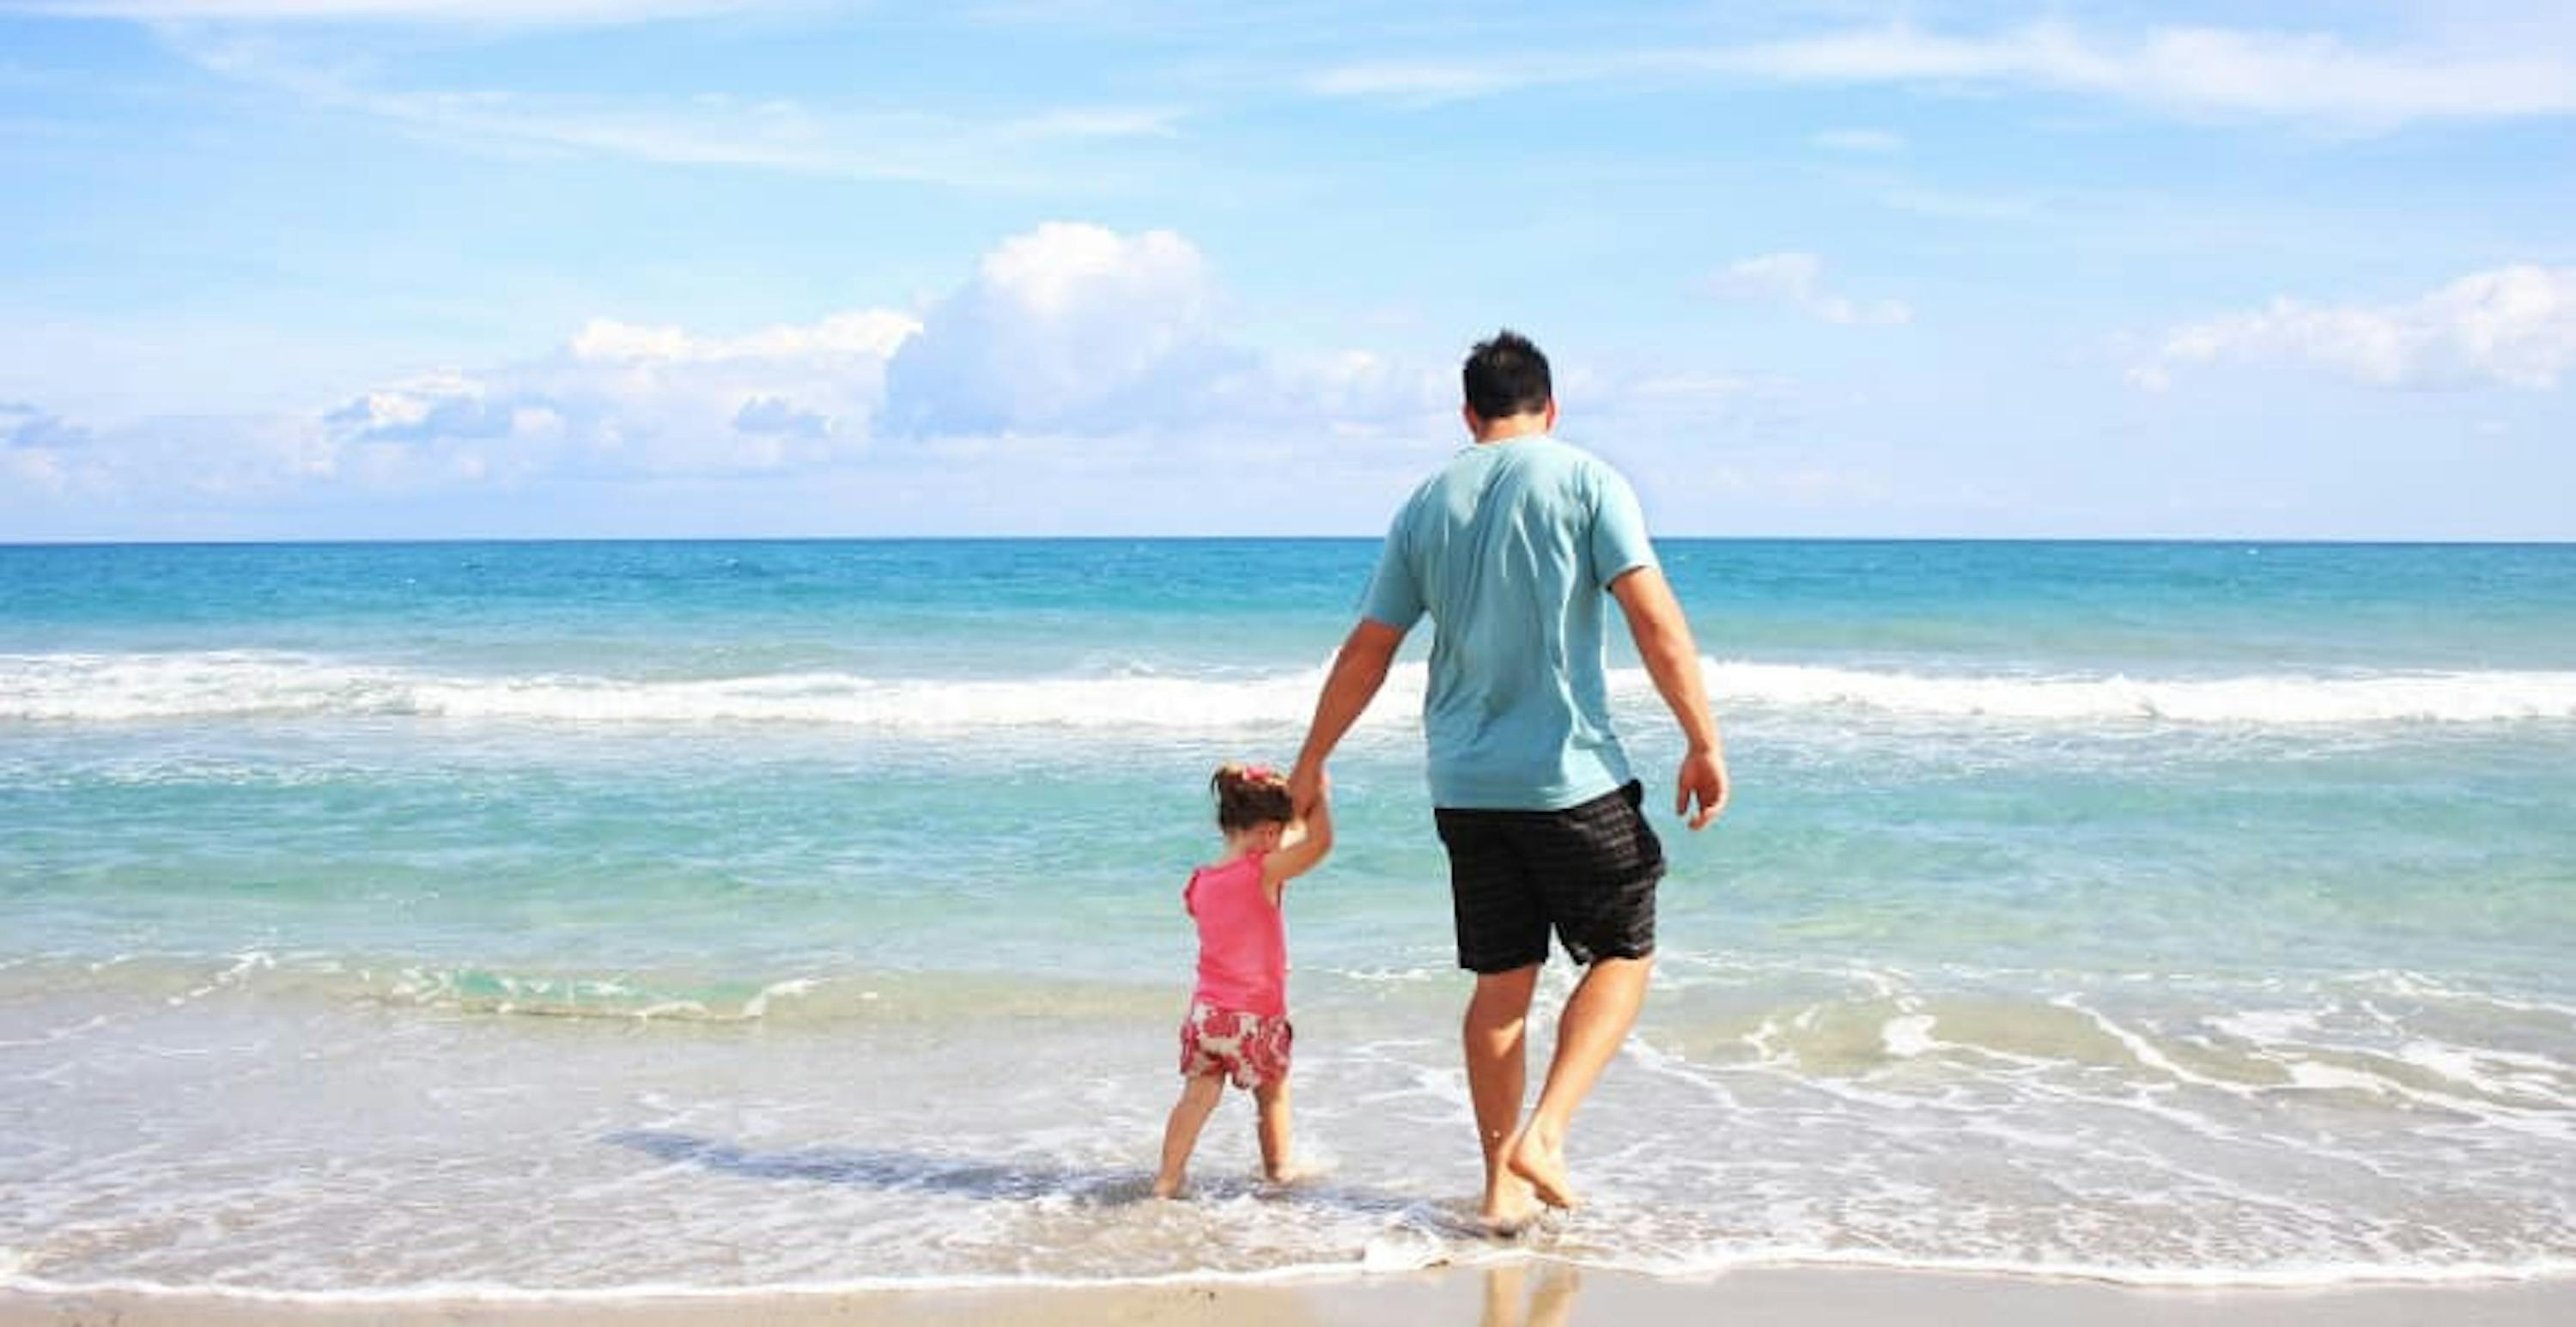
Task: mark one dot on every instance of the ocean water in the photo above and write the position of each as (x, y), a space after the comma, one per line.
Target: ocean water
(595, 919)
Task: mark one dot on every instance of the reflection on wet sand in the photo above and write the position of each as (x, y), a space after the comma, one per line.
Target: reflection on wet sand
(1550, 1303)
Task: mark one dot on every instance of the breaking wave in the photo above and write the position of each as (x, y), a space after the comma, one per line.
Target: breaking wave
(107, 688)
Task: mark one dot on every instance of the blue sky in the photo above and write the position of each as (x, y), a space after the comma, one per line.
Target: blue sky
(370, 268)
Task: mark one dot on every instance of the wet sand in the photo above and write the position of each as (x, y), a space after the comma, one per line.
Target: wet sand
(1518, 1294)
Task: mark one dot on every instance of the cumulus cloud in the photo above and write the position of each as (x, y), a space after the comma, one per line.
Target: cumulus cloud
(1797, 280)
(1074, 330)
(2514, 326)
(657, 399)
(438, 405)
(1069, 327)
(778, 415)
(1064, 337)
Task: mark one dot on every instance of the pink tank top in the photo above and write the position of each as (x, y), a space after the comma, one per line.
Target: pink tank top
(1243, 941)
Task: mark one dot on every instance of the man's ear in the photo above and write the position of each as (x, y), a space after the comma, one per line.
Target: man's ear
(1551, 414)
(1475, 422)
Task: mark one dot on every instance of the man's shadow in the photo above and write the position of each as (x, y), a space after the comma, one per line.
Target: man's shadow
(989, 1181)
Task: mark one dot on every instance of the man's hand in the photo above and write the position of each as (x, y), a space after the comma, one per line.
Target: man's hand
(1672, 659)
(1359, 669)
(1307, 786)
(1703, 778)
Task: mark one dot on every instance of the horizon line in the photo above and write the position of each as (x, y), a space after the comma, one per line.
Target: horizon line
(437, 540)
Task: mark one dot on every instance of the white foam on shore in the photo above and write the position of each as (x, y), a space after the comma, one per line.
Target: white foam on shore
(1846, 1158)
(89, 688)
(2320, 1276)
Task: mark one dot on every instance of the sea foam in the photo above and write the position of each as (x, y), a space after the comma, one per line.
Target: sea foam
(91, 688)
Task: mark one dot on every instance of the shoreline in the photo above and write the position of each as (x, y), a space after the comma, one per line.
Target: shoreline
(1521, 1292)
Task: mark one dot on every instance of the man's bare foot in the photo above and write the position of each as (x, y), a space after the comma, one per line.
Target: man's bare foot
(1280, 1177)
(1508, 1207)
(1539, 1158)
(1164, 1188)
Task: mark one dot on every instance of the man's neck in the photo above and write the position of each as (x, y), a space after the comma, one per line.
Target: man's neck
(1510, 427)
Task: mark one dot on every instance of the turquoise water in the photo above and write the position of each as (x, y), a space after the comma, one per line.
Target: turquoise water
(804, 915)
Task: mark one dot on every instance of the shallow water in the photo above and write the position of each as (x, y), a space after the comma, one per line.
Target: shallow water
(389, 919)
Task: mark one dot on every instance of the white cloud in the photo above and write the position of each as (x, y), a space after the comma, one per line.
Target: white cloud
(23, 426)
(1069, 327)
(1045, 148)
(1433, 81)
(2515, 326)
(1873, 141)
(1796, 279)
(1073, 330)
(193, 458)
(1073, 344)
(631, 398)
(762, 415)
(38, 449)
(867, 333)
(2192, 71)
(2203, 70)
(511, 13)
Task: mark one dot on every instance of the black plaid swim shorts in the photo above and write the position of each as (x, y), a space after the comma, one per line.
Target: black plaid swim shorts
(1588, 871)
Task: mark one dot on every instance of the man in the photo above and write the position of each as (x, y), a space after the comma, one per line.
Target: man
(1512, 548)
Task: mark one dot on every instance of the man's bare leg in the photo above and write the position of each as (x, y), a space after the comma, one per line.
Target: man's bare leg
(1496, 1037)
(1277, 1162)
(1597, 1018)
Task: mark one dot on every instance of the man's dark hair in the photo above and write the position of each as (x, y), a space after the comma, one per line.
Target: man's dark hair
(1507, 376)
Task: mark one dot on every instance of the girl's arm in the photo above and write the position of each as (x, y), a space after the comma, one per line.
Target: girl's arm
(1301, 849)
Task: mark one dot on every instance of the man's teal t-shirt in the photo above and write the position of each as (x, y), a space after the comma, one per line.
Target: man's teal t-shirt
(1511, 549)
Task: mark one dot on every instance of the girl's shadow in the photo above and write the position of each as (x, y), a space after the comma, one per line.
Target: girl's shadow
(880, 1168)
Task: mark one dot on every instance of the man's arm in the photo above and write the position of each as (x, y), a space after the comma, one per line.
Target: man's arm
(1301, 849)
(1664, 641)
(1358, 671)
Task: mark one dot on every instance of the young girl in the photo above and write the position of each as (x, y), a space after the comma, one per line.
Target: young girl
(1238, 1023)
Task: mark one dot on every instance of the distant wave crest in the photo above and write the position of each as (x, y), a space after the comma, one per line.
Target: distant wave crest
(95, 688)
(2265, 698)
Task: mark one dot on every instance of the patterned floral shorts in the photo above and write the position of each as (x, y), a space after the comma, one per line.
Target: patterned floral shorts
(1248, 1048)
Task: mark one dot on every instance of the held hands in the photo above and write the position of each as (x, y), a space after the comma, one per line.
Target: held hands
(1702, 779)
(1308, 787)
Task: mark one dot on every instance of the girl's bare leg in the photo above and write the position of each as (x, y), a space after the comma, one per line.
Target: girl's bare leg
(1181, 1133)
(1277, 1156)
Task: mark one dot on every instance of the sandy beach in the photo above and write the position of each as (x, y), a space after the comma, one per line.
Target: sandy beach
(1521, 1294)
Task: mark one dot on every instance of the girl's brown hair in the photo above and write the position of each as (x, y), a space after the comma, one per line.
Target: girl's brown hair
(1249, 795)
